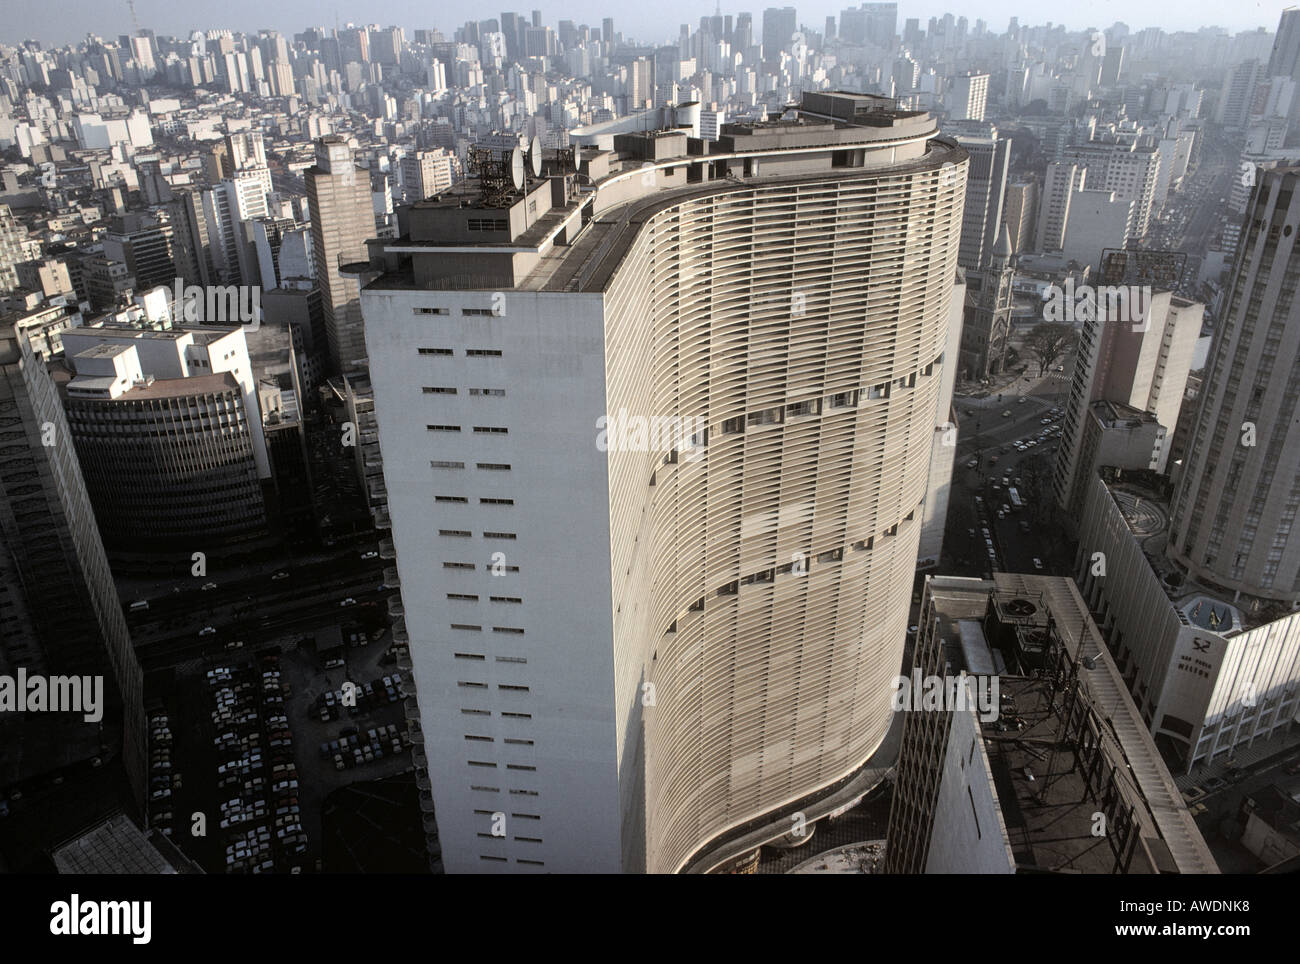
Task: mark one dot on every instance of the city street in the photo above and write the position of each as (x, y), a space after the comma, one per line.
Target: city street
(986, 456)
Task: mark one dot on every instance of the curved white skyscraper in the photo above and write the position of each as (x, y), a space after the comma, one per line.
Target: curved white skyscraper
(656, 435)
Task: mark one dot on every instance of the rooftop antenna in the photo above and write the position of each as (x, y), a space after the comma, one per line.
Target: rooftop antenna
(134, 19)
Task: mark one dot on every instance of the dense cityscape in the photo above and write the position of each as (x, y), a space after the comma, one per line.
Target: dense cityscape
(862, 446)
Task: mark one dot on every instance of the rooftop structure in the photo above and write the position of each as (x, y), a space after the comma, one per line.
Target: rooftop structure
(1025, 788)
(712, 286)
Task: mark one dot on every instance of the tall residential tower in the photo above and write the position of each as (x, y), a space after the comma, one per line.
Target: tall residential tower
(657, 445)
(342, 218)
(1240, 489)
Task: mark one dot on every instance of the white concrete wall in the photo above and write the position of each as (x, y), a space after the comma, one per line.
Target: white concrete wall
(969, 835)
(943, 452)
(552, 371)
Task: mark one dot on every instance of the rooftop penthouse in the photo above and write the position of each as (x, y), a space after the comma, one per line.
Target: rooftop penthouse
(562, 224)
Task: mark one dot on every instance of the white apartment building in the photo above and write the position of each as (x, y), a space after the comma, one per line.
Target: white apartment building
(657, 456)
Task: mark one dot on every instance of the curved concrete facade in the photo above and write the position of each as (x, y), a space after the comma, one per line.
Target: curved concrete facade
(164, 462)
(656, 497)
(766, 575)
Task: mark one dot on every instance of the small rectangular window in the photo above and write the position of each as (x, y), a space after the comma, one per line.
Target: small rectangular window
(499, 535)
(478, 312)
(439, 390)
(444, 464)
(494, 466)
(457, 499)
(461, 533)
(494, 392)
(435, 351)
(443, 428)
(496, 501)
(467, 627)
(482, 353)
(491, 430)
(464, 596)
(458, 565)
(431, 311)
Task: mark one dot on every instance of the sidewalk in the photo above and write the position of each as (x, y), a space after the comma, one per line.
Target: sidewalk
(1010, 385)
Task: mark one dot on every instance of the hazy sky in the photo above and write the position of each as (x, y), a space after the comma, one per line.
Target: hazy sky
(56, 22)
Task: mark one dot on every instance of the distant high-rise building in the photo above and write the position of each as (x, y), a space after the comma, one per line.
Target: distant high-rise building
(13, 235)
(1060, 184)
(986, 190)
(906, 72)
(1019, 214)
(508, 391)
(1238, 95)
(386, 45)
(145, 245)
(1137, 355)
(1130, 169)
(780, 24)
(882, 23)
(342, 220)
(1112, 65)
(1098, 220)
(1285, 58)
(59, 609)
(1240, 487)
(743, 36)
(425, 173)
(967, 97)
(870, 23)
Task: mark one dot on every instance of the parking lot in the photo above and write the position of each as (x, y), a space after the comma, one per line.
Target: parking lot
(246, 730)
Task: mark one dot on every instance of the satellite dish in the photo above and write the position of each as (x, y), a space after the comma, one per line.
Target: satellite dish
(517, 168)
(535, 156)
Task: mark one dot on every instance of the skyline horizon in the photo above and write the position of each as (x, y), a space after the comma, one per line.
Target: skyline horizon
(104, 22)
